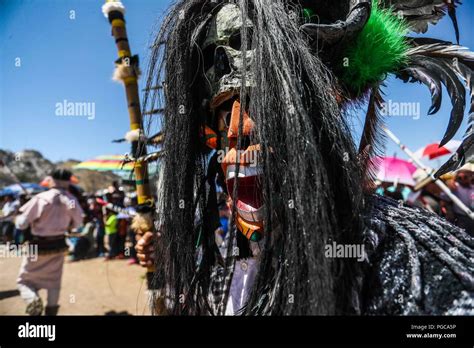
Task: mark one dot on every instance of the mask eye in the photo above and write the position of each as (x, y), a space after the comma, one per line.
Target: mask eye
(222, 64)
(208, 56)
(227, 119)
(235, 41)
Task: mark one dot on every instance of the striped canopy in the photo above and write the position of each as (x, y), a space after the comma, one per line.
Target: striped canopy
(112, 163)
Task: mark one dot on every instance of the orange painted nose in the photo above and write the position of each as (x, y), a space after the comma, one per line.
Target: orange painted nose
(234, 122)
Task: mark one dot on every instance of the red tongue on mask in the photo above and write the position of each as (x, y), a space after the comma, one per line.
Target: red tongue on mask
(248, 192)
(248, 197)
(248, 200)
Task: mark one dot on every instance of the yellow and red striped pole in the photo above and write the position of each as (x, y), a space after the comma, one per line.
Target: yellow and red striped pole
(127, 71)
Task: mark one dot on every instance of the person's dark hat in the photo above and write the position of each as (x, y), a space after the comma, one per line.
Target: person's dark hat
(61, 174)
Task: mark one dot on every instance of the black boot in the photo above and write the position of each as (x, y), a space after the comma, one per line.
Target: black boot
(51, 310)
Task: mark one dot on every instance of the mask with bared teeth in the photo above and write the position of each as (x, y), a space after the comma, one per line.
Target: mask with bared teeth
(223, 65)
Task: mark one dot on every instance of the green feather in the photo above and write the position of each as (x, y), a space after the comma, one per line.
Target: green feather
(380, 49)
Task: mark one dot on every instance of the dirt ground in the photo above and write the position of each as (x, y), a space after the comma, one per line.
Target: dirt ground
(89, 287)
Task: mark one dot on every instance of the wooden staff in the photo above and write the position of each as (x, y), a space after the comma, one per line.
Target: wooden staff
(127, 72)
(430, 173)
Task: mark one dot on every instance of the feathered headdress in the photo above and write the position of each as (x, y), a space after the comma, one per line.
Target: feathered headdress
(373, 43)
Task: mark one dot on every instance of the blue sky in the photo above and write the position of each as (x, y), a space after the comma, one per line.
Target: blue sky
(72, 59)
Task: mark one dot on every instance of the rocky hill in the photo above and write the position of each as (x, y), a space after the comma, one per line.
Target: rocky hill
(27, 166)
(31, 166)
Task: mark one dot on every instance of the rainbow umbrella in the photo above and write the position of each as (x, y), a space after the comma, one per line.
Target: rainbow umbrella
(108, 163)
(395, 170)
(117, 164)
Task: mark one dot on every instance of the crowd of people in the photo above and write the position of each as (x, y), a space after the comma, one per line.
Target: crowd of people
(63, 219)
(104, 230)
(428, 195)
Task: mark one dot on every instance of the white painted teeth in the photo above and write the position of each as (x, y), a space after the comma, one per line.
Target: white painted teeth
(244, 171)
(247, 212)
(250, 216)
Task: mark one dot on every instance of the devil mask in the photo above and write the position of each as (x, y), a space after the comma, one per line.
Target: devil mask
(224, 66)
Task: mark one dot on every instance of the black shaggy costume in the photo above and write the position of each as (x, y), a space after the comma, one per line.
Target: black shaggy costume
(315, 183)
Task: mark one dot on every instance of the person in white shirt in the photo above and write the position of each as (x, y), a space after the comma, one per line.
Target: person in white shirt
(50, 215)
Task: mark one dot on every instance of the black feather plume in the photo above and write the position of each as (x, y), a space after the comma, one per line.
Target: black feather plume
(419, 74)
(372, 139)
(451, 64)
(441, 49)
(418, 14)
(465, 153)
(454, 19)
(455, 89)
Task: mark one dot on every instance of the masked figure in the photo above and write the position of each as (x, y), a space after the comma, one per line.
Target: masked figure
(255, 96)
